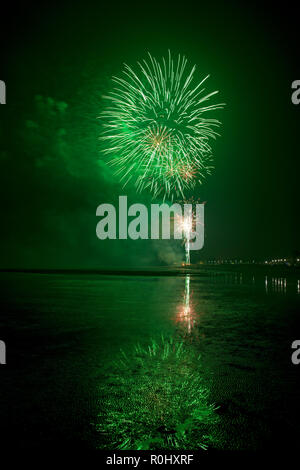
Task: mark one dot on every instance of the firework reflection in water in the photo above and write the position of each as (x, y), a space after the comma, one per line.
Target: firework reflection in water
(186, 314)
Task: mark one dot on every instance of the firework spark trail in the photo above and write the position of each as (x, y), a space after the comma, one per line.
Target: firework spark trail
(155, 131)
(186, 223)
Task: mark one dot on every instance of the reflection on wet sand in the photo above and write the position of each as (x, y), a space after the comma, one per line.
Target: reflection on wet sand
(272, 284)
(186, 316)
(185, 311)
(202, 337)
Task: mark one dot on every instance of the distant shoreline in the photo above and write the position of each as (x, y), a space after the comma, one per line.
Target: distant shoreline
(195, 270)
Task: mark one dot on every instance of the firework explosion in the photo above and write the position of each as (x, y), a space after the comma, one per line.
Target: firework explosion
(155, 132)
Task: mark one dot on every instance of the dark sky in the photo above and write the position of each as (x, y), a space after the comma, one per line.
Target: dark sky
(57, 62)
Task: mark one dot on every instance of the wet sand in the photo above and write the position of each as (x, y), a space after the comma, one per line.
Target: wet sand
(63, 331)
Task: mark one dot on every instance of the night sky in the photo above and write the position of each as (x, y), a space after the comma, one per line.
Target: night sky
(57, 62)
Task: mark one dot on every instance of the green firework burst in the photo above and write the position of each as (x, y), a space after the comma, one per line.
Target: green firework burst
(155, 130)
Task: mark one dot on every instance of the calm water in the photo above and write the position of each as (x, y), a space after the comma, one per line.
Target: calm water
(63, 331)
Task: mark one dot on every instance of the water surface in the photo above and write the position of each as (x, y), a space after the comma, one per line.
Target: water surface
(63, 331)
